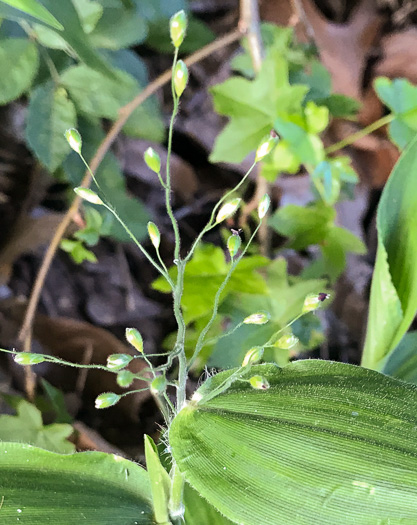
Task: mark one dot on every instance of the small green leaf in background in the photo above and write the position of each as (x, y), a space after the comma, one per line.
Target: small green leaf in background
(319, 81)
(253, 107)
(283, 301)
(96, 94)
(40, 487)
(312, 225)
(205, 273)
(55, 398)
(340, 106)
(89, 12)
(75, 36)
(329, 175)
(401, 97)
(117, 28)
(34, 9)
(317, 78)
(318, 446)
(307, 145)
(27, 427)
(23, 55)
(303, 225)
(50, 113)
(402, 362)
(393, 302)
(78, 252)
(147, 120)
(334, 249)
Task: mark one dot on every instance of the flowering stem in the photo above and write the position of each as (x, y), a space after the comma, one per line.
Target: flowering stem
(210, 225)
(203, 333)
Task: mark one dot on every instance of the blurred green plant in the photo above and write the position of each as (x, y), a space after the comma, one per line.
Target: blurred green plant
(76, 62)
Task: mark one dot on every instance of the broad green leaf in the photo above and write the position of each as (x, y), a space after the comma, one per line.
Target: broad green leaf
(146, 121)
(50, 113)
(307, 146)
(97, 95)
(27, 427)
(23, 55)
(393, 302)
(35, 10)
(401, 97)
(318, 80)
(240, 136)
(89, 12)
(253, 106)
(73, 33)
(340, 105)
(153, 10)
(40, 487)
(119, 28)
(402, 362)
(326, 443)
(159, 481)
(50, 38)
(303, 225)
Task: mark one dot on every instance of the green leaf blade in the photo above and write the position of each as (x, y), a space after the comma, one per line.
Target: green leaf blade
(394, 285)
(33, 8)
(90, 487)
(320, 431)
(50, 114)
(23, 55)
(75, 36)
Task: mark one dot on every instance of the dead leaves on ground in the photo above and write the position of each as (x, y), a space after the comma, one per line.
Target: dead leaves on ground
(367, 45)
(78, 342)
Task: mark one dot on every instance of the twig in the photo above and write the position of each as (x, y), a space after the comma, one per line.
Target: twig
(249, 20)
(250, 23)
(105, 145)
(298, 8)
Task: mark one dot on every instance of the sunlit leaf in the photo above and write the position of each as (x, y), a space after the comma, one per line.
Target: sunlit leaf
(33, 8)
(38, 487)
(27, 427)
(326, 443)
(393, 301)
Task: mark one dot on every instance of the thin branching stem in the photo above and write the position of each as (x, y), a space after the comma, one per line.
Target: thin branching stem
(211, 224)
(203, 333)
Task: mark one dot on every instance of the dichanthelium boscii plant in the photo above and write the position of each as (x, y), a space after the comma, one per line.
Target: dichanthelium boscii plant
(312, 442)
